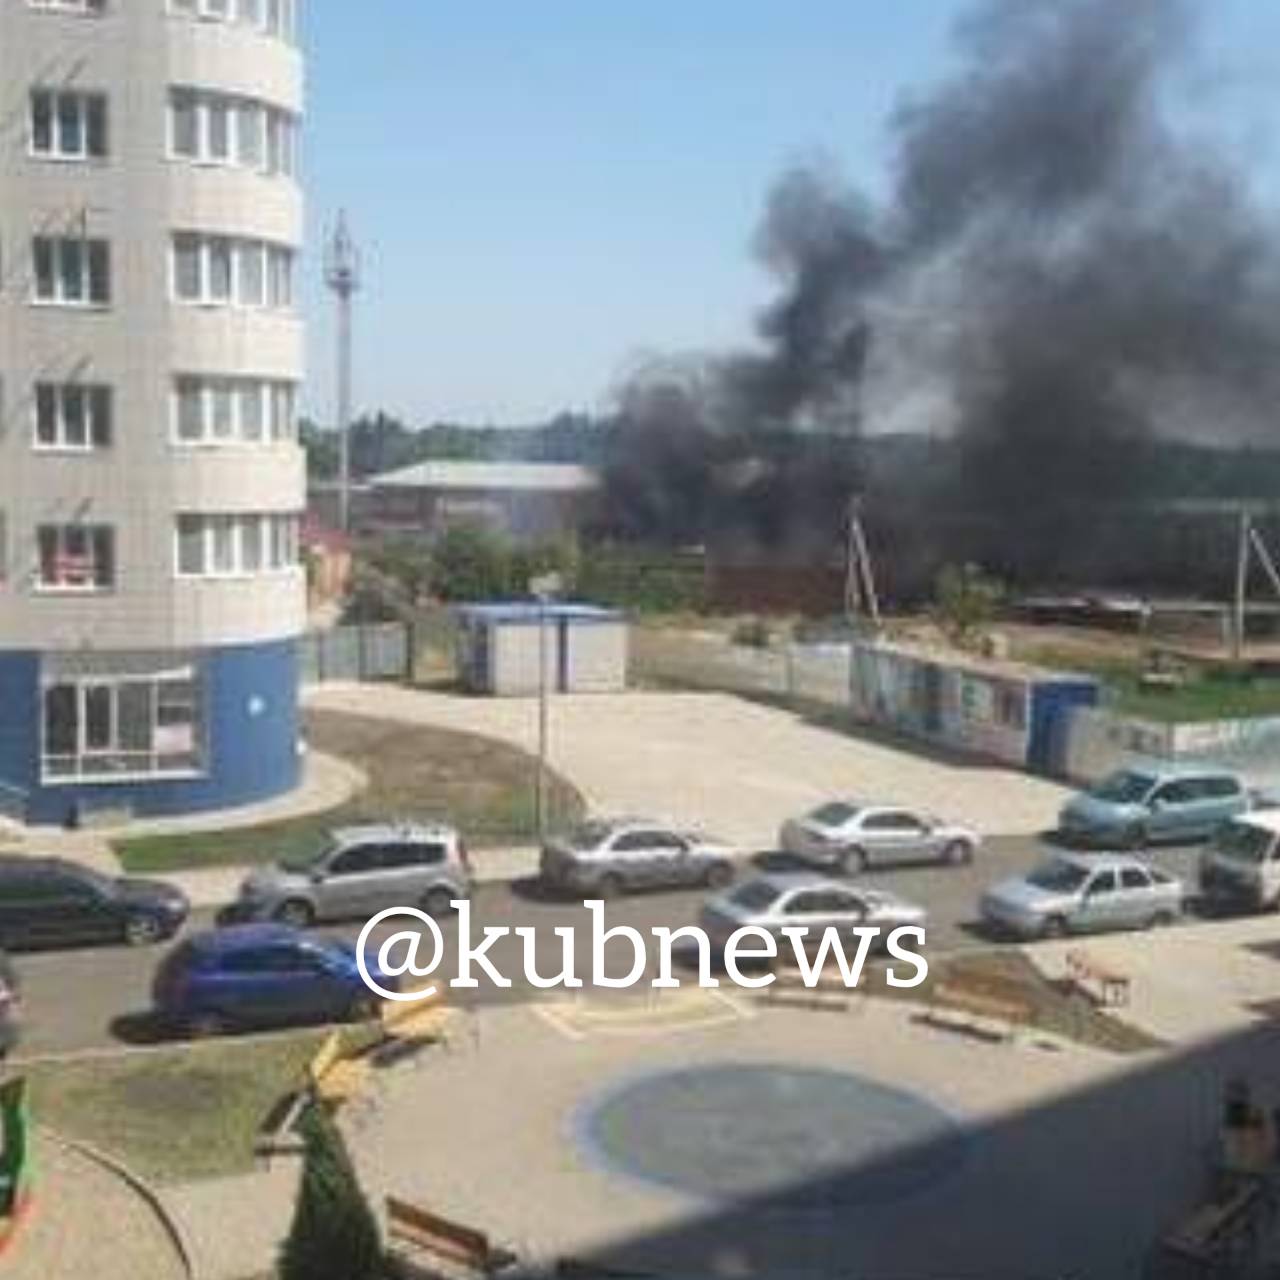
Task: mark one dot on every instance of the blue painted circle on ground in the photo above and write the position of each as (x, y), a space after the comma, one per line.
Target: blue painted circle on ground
(793, 1137)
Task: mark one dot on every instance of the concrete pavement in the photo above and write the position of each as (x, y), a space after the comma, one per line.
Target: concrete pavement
(732, 766)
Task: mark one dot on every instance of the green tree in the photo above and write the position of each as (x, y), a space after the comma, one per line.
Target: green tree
(965, 603)
(334, 1235)
(470, 562)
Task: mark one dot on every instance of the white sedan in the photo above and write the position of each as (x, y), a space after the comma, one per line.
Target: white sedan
(845, 836)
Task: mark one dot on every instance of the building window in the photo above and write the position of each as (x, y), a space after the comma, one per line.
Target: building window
(225, 411)
(71, 271)
(75, 558)
(278, 18)
(216, 128)
(72, 415)
(91, 8)
(117, 727)
(235, 546)
(67, 124)
(220, 271)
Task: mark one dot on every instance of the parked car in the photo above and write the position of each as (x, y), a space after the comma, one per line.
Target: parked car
(787, 899)
(359, 871)
(1137, 806)
(606, 857)
(44, 901)
(261, 975)
(1085, 893)
(1242, 864)
(845, 836)
(10, 1007)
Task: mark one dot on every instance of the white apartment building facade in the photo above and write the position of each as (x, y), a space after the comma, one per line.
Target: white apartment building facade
(151, 350)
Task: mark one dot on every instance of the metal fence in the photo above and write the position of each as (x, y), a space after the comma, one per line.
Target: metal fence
(816, 675)
(382, 651)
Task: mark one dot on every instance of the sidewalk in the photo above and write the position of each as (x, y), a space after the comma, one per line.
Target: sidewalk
(86, 1219)
(1189, 984)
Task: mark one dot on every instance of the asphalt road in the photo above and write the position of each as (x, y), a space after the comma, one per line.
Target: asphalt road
(98, 998)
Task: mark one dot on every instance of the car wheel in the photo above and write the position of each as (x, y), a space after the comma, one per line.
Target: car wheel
(1161, 920)
(957, 853)
(719, 875)
(297, 913)
(363, 1008)
(142, 931)
(1137, 836)
(438, 903)
(203, 1026)
(850, 860)
(610, 886)
(1055, 927)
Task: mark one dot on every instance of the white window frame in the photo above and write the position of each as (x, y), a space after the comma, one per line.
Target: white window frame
(277, 540)
(81, 8)
(90, 534)
(111, 763)
(81, 102)
(279, 260)
(277, 411)
(98, 407)
(58, 247)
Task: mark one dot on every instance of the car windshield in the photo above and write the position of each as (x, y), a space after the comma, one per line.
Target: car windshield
(755, 895)
(1059, 877)
(589, 835)
(1125, 787)
(1243, 843)
(307, 858)
(835, 814)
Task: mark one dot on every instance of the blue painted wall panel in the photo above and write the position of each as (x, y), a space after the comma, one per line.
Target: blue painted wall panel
(1051, 703)
(252, 727)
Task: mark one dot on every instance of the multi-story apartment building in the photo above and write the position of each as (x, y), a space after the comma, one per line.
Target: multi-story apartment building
(151, 480)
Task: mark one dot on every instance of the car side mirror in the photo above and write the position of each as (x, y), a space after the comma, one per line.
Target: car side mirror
(317, 877)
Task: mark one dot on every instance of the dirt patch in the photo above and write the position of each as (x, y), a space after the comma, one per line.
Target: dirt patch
(1007, 976)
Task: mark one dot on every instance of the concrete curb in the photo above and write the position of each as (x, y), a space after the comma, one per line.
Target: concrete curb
(143, 1188)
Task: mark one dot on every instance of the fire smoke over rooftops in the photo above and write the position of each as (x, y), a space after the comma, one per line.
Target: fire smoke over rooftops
(1059, 274)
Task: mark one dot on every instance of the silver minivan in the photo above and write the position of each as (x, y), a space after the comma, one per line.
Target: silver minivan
(1137, 806)
(359, 871)
(1242, 865)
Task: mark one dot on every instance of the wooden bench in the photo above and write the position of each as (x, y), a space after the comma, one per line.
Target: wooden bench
(411, 1023)
(948, 999)
(335, 1078)
(1112, 985)
(1218, 1227)
(439, 1240)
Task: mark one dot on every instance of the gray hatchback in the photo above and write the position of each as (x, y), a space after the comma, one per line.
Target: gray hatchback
(360, 871)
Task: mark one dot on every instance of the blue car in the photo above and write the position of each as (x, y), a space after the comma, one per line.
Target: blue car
(262, 975)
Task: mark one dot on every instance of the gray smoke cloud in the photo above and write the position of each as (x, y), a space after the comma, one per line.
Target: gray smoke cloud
(1060, 273)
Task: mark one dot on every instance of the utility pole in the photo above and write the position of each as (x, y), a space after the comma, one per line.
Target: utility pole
(544, 589)
(342, 275)
(861, 599)
(1243, 550)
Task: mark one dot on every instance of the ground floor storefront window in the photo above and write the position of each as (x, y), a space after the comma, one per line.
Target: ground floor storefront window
(142, 724)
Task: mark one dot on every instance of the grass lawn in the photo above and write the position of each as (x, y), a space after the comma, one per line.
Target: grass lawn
(1204, 695)
(482, 787)
(173, 1115)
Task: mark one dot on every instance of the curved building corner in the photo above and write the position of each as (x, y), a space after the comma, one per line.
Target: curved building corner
(151, 352)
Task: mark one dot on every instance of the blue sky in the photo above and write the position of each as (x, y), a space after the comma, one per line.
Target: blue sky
(547, 192)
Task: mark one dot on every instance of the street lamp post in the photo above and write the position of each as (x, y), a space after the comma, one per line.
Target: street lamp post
(544, 589)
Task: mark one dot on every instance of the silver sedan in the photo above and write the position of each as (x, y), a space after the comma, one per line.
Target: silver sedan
(775, 902)
(843, 835)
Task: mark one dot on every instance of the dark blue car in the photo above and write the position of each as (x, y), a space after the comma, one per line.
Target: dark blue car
(261, 975)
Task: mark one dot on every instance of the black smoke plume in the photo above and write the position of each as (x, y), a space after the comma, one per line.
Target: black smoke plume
(1064, 274)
